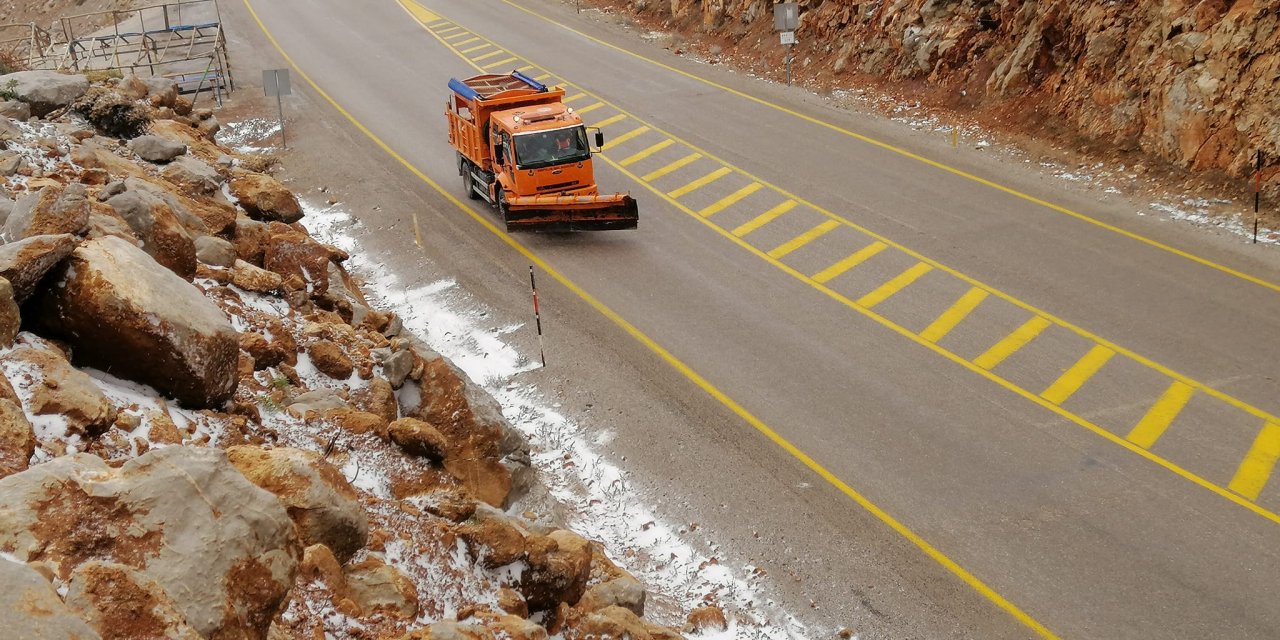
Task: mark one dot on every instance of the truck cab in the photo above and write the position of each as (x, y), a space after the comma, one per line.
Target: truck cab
(542, 150)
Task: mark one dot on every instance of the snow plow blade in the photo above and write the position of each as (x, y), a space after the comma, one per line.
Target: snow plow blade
(572, 213)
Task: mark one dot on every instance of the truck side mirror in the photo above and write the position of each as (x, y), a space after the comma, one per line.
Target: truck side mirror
(599, 139)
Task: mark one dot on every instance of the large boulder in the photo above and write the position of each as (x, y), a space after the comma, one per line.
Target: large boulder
(163, 236)
(156, 149)
(121, 603)
(25, 262)
(559, 568)
(50, 386)
(224, 550)
(31, 610)
(318, 497)
(265, 198)
(45, 91)
(123, 312)
(51, 210)
(290, 253)
(215, 251)
(10, 315)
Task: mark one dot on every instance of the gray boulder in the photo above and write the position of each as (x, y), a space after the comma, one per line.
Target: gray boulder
(223, 550)
(25, 262)
(120, 602)
(45, 91)
(10, 316)
(156, 149)
(52, 387)
(123, 312)
(215, 251)
(10, 162)
(30, 609)
(190, 173)
(155, 223)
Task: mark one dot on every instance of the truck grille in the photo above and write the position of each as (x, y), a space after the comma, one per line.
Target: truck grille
(558, 187)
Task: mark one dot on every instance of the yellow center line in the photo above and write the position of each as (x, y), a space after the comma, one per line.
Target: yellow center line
(610, 120)
(801, 240)
(488, 55)
(1011, 343)
(764, 218)
(467, 41)
(500, 63)
(674, 166)
(898, 283)
(573, 98)
(648, 151)
(1161, 415)
(1252, 475)
(954, 315)
(638, 131)
(856, 258)
(589, 108)
(731, 199)
(1079, 373)
(700, 182)
(661, 352)
(475, 48)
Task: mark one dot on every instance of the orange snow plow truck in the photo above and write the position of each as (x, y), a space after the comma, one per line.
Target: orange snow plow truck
(526, 153)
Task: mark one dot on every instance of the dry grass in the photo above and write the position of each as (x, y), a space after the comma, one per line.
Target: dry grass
(112, 113)
(258, 162)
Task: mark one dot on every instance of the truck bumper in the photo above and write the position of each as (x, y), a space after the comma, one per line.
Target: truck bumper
(571, 213)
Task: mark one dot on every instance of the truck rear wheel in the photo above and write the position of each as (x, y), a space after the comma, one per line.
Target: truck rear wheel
(469, 182)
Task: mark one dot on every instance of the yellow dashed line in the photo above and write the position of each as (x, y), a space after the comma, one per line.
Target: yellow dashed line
(856, 258)
(641, 155)
(610, 120)
(700, 182)
(731, 199)
(1161, 415)
(488, 55)
(526, 69)
(459, 35)
(1011, 343)
(898, 283)
(1256, 468)
(674, 166)
(475, 48)
(638, 131)
(589, 108)
(1079, 373)
(500, 63)
(954, 315)
(467, 41)
(764, 218)
(803, 239)
(447, 30)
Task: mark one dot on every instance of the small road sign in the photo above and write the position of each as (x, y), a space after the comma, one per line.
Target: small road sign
(787, 37)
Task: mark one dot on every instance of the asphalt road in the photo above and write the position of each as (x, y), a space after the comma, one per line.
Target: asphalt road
(991, 417)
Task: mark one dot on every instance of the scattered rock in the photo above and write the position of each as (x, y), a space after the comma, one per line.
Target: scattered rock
(251, 278)
(189, 173)
(377, 587)
(495, 541)
(623, 591)
(125, 313)
(329, 358)
(10, 316)
(156, 149)
(610, 622)
(418, 438)
(16, 110)
(55, 388)
(224, 550)
(559, 566)
(11, 162)
(17, 440)
(707, 619)
(318, 498)
(265, 198)
(291, 253)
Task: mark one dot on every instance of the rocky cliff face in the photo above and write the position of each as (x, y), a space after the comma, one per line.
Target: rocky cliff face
(1189, 82)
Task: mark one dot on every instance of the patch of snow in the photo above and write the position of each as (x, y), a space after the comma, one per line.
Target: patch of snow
(1200, 212)
(605, 503)
(243, 136)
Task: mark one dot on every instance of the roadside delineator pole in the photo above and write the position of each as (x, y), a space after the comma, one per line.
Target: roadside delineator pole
(275, 82)
(537, 316)
(955, 136)
(1257, 194)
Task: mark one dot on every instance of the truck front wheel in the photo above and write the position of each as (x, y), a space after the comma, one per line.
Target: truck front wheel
(502, 202)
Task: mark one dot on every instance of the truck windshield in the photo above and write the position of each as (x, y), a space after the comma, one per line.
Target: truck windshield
(546, 148)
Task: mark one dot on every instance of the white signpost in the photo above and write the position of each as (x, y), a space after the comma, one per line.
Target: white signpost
(275, 82)
(786, 19)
